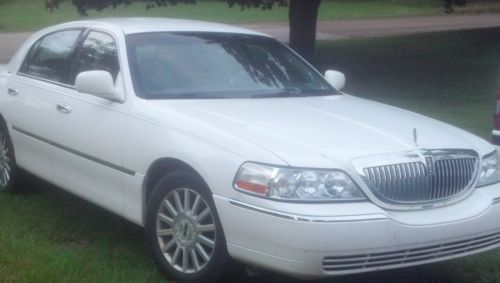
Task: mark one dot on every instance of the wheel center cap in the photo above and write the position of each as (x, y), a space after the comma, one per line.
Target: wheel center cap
(185, 231)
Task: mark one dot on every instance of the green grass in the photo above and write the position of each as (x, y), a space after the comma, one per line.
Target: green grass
(27, 15)
(452, 76)
(51, 236)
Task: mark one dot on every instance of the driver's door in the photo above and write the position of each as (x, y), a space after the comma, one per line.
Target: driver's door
(89, 160)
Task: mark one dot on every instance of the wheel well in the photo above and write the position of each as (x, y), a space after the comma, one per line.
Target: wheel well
(158, 170)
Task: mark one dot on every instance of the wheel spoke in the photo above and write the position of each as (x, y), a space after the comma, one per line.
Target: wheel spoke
(186, 200)
(165, 232)
(5, 177)
(206, 228)
(178, 202)
(196, 203)
(194, 259)
(202, 252)
(202, 215)
(165, 219)
(170, 207)
(185, 260)
(168, 245)
(175, 257)
(206, 241)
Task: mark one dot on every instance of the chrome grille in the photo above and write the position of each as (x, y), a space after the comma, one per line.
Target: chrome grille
(374, 261)
(420, 180)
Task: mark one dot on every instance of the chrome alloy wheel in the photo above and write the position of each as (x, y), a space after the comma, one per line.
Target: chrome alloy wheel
(185, 227)
(5, 168)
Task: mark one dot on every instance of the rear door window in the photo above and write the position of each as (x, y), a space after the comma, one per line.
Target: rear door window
(48, 57)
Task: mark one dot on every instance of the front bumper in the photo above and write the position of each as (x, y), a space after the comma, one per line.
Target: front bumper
(348, 238)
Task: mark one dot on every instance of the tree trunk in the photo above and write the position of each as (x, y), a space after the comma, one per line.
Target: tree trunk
(302, 16)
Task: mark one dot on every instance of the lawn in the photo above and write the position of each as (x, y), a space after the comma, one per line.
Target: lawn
(50, 236)
(27, 15)
(452, 76)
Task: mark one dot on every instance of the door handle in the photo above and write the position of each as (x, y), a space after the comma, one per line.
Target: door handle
(64, 108)
(12, 91)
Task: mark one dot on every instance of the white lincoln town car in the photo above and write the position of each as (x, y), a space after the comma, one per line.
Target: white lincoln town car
(223, 143)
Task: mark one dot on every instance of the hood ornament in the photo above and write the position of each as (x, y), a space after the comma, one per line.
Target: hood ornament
(415, 136)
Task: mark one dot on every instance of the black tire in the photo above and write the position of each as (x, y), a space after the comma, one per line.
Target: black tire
(188, 228)
(8, 168)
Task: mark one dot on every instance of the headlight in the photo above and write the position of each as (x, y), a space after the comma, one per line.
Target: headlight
(293, 184)
(489, 173)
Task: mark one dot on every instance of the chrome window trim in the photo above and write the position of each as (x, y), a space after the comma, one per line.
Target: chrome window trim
(46, 81)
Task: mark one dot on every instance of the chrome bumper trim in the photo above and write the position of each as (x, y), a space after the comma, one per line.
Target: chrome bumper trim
(306, 218)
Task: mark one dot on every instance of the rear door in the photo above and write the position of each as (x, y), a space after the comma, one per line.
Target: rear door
(30, 103)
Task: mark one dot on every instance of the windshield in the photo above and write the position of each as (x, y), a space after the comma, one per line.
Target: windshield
(218, 65)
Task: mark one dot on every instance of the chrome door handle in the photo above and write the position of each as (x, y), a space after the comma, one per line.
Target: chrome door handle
(12, 91)
(64, 108)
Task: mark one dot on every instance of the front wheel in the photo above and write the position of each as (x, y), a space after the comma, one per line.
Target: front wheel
(183, 230)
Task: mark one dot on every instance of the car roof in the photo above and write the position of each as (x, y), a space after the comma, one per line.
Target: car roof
(141, 25)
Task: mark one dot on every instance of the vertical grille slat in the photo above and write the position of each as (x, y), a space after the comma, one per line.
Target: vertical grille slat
(449, 170)
(461, 174)
(411, 182)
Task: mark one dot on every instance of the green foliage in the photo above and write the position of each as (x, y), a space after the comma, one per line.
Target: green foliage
(264, 4)
(85, 5)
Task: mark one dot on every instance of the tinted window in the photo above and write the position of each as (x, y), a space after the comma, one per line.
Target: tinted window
(49, 56)
(213, 65)
(98, 52)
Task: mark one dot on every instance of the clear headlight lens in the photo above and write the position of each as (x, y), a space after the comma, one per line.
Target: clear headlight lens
(293, 184)
(489, 172)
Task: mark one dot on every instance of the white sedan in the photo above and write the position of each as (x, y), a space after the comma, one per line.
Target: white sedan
(223, 143)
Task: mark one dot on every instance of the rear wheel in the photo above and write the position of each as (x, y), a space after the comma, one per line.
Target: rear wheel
(8, 168)
(183, 229)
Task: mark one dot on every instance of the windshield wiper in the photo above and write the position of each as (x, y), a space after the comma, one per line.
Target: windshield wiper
(183, 96)
(287, 92)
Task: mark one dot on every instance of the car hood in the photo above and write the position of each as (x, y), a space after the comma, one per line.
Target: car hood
(321, 132)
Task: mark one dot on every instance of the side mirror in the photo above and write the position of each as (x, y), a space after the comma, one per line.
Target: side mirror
(98, 83)
(335, 78)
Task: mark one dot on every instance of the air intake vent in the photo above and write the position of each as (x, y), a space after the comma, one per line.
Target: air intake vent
(365, 262)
